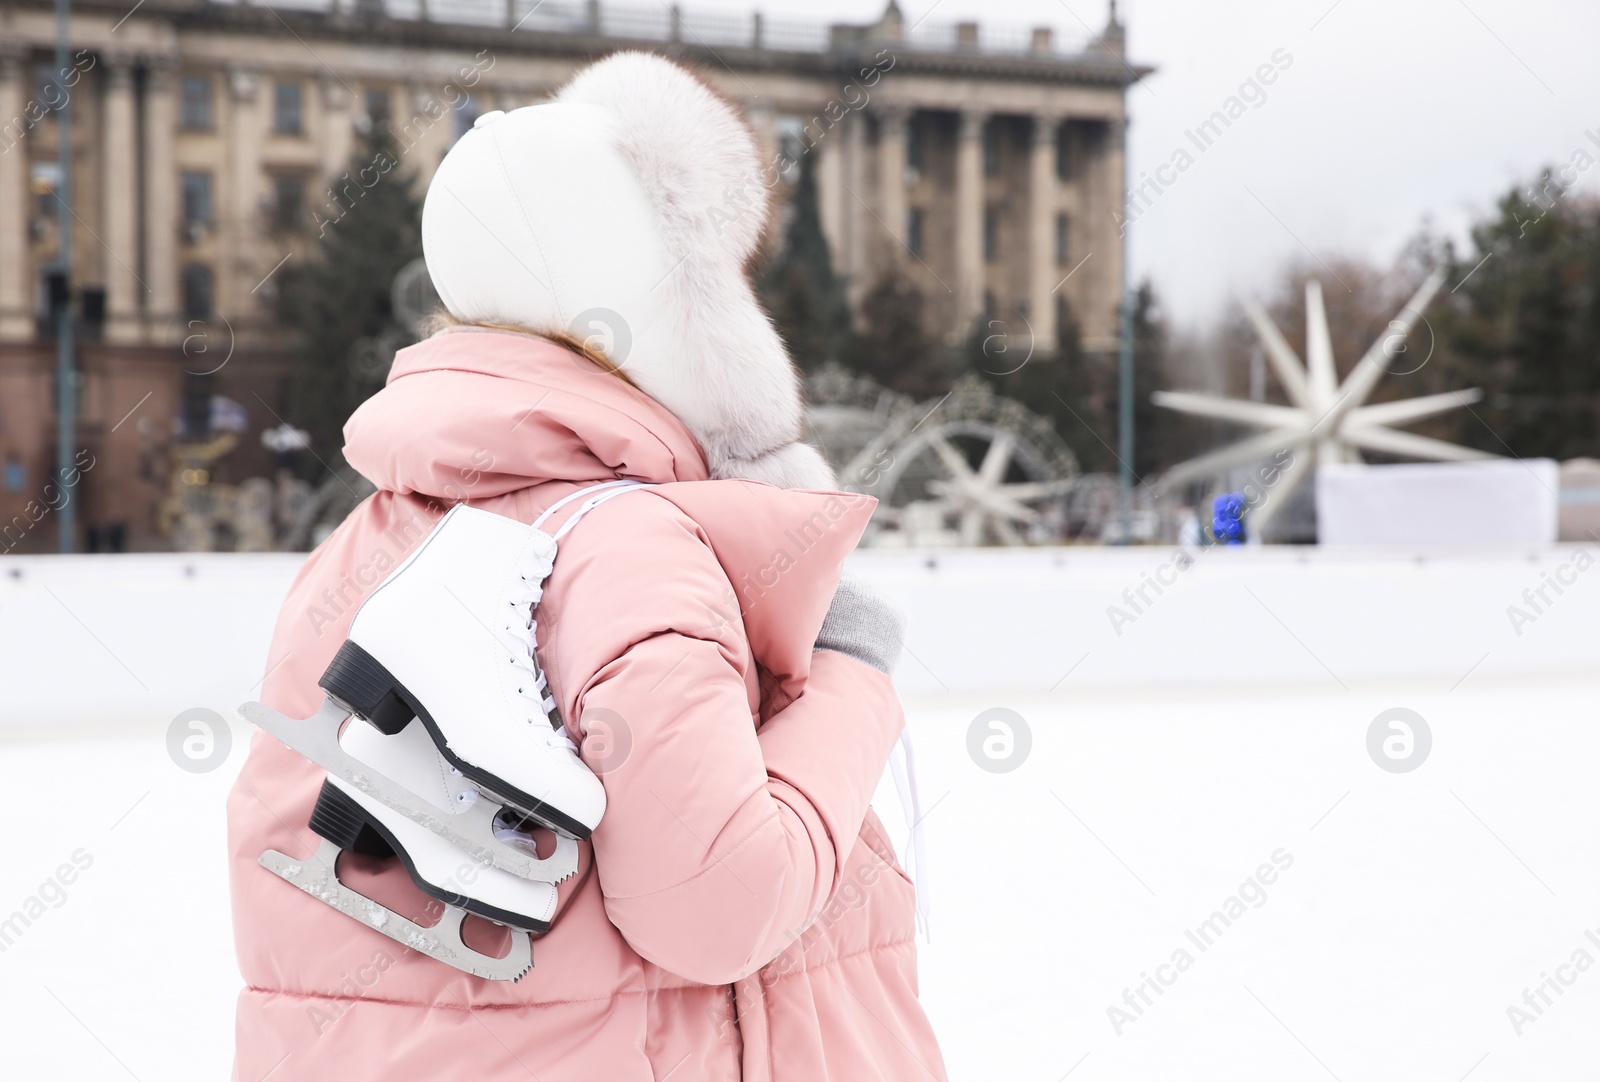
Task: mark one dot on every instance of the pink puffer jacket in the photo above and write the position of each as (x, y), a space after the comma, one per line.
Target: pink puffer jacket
(741, 915)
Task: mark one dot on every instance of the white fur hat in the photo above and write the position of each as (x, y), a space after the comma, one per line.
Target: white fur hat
(624, 212)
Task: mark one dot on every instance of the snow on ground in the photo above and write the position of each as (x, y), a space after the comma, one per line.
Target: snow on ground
(1405, 913)
(1416, 909)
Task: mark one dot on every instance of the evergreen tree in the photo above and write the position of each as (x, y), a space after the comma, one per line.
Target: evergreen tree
(1065, 385)
(800, 290)
(1080, 392)
(1162, 437)
(368, 228)
(893, 345)
(1523, 323)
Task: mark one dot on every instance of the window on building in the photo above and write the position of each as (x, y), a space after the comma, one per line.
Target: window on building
(47, 90)
(53, 298)
(991, 234)
(92, 300)
(288, 109)
(916, 150)
(791, 133)
(914, 241)
(197, 291)
(1061, 239)
(288, 203)
(194, 102)
(44, 182)
(466, 115)
(378, 106)
(1066, 327)
(991, 150)
(197, 209)
(1063, 153)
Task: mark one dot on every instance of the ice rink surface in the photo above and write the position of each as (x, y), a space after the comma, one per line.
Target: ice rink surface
(1400, 915)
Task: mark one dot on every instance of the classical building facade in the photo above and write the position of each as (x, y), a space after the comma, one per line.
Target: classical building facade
(209, 140)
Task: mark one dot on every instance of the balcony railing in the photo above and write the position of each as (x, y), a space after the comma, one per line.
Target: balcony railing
(670, 23)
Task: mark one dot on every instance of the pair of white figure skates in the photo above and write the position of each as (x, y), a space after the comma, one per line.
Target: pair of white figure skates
(442, 742)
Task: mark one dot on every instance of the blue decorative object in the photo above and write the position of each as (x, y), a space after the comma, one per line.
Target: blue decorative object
(1227, 514)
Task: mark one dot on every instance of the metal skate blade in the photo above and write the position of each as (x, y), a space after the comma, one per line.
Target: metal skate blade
(470, 830)
(442, 942)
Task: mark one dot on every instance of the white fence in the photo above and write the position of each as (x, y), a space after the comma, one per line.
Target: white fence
(91, 640)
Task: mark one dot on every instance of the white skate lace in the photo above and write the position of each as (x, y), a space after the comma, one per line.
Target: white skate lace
(535, 687)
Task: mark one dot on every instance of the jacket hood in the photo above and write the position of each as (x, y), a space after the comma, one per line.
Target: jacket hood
(624, 213)
(472, 413)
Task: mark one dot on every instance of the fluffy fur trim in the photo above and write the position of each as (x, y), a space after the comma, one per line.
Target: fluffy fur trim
(794, 465)
(724, 372)
(694, 154)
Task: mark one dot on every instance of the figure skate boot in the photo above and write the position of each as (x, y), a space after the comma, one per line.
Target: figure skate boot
(448, 641)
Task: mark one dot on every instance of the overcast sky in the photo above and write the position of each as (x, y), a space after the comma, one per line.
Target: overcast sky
(1391, 110)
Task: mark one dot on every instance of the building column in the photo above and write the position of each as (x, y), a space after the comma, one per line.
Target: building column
(893, 122)
(160, 205)
(434, 138)
(1042, 208)
(769, 147)
(857, 224)
(338, 127)
(16, 268)
(831, 196)
(1109, 197)
(969, 218)
(121, 215)
(238, 195)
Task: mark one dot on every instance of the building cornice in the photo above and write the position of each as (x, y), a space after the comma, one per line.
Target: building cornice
(1094, 68)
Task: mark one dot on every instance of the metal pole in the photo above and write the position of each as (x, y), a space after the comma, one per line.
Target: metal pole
(66, 374)
(1125, 367)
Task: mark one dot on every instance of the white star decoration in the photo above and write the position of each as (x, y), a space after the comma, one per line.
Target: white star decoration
(1323, 417)
(981, 500)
